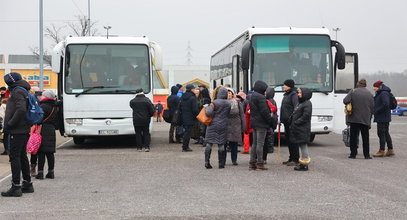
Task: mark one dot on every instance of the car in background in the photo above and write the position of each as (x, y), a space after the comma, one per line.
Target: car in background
(400, 111)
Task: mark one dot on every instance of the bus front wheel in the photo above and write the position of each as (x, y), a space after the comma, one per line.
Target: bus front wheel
(79, 140)
(312, 137)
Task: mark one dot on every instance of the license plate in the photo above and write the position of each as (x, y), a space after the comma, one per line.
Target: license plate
(108, 132)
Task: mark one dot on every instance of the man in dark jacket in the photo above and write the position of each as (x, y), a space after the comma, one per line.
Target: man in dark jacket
(143, 110)
(189, 111)
(360, 119)
(290, 100)
(16, 125)
(260, 121)
(159, 108)
(172, 103)
(382, 116)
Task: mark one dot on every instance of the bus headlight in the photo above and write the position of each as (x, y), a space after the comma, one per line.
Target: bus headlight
(324, 118)
(75, 121)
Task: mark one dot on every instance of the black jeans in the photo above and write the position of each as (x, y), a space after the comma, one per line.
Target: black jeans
(142, 136)
(355, 128)
(50, 159)
(384, 135)
(18, 158)
(292, 148)
(33, 159)
(187, 136)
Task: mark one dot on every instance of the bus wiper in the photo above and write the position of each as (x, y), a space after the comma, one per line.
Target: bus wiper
(317, 90)
(92, 88)
(121, 91)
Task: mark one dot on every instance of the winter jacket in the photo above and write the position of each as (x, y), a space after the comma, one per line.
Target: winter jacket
(159, 108)
(290, 100)
(48, 144)
(300, 127)
(216, 132)
(143, 110)
(15, 121)
(173, 100)
(270, 96)
(259, 110)
(362, 106)
(189, 109)
(236, 121)
(382, 112)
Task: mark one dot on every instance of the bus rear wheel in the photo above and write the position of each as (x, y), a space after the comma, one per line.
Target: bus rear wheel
(79, 140)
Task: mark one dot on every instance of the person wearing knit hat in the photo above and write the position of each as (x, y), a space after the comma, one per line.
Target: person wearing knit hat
(18, 130)
(48, 144)
(377, 84)
(290, 83)
(360, 119)
(290, 100)
(382, 116)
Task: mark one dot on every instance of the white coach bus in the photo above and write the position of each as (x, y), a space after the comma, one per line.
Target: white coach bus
(97, 78)
(302, 54)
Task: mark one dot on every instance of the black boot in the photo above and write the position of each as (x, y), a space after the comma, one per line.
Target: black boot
(221, 159)
(27, 187)
(14, 191)
(207, 157)
(301, 167)
(40, 175)
(50, 174)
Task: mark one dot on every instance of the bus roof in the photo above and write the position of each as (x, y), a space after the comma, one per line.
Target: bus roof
(105, 40)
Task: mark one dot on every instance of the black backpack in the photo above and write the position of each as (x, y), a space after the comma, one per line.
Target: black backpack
(393, 101)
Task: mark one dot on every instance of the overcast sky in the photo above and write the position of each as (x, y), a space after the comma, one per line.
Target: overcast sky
(375, 29)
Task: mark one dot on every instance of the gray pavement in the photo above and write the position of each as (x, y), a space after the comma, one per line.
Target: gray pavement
(109, 179)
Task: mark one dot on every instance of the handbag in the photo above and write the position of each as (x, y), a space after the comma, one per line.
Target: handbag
(34, 142)
(167, 116)
(346, 136)
(348, 109)
(203, 118)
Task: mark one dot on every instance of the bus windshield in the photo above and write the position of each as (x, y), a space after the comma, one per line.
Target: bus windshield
(101, 68)
(304, 58)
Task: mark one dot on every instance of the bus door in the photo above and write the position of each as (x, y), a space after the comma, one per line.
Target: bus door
(345, 80)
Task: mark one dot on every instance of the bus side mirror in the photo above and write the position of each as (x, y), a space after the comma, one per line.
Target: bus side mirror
(56, 57)
(247, 46)
(157, 56)
(340, 54)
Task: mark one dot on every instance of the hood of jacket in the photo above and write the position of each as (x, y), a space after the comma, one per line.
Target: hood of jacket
(21, 83)
(222, 93)
(186, 95)
(384, 88)
(270, 93)
(306, 94)
(174, 90)
(260, 86)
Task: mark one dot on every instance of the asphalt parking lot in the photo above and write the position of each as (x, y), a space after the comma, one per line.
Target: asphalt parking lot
(110, 179)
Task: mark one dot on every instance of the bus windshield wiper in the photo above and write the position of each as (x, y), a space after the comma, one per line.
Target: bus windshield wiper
(123, 91)
(92, 88)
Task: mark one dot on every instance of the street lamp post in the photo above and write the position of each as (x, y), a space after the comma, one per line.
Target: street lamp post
(336, 32)
(41, 80)
(107, 30)
(89, 17)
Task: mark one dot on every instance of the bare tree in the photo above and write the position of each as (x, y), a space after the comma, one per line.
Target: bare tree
(55, 33)
(82, 28)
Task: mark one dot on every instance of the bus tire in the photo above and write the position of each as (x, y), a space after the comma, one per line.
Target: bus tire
(312, 137)
(79, 140)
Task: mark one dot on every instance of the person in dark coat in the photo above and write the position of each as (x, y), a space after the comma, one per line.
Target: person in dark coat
(260, 121)
(360, 120)
(382, 116)
(189, 111)
(159, 108)
(203, 99)
(269, 143)
(300, 126)
(290, 100)
(16, 125)
(143, 110)
(236, 125)
(172, 103)
(217, 131)
(48, 144)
